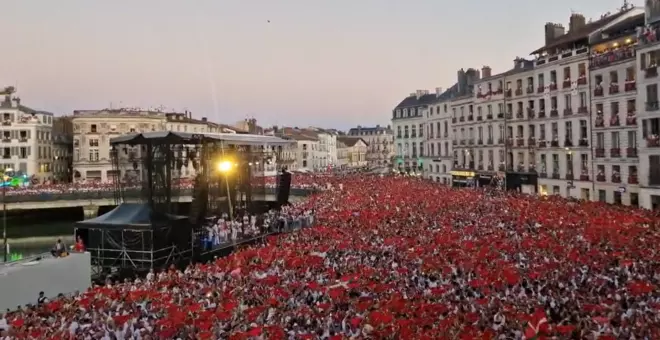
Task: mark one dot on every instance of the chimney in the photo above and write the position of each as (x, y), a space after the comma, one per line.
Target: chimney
(576, 22)
(413, 94)
(553, 31)
(438, 91)
(486, 71)
(204, 119)
(419, 93)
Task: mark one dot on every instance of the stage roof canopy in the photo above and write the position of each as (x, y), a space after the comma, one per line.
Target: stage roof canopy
(171, 137)
(125, 216)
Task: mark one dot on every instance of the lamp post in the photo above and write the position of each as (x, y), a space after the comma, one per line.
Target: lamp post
(224, 168)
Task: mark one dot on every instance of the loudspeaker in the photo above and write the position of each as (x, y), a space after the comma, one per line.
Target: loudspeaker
(283, 188)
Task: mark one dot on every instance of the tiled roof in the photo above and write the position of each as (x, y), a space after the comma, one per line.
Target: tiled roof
(582, 33)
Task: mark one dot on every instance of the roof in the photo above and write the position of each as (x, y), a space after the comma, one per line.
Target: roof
(582, 33)
(357, 130)
(126, 215)
(528, 65)
(350, 141)
(412, 101)
(616, 30)
(171, 137)
(302, 137)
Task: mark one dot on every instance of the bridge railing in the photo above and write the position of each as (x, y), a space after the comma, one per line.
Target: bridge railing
(96, 195)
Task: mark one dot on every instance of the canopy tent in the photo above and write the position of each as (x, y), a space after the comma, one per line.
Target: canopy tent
(130, 216)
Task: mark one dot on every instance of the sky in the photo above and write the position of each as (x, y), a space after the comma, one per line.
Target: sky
(333, 64)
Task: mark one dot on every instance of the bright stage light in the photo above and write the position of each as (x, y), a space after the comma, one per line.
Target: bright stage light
(225, 166)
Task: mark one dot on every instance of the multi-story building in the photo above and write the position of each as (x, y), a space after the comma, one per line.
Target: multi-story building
(408, 124)
(353, 151)
(62, 149)
(307, 152)
(438, 154)
(614, 104)
(26, 136)
(327, 147)
(92, 131)
(563, 122)
(381, 143)
(648, 115)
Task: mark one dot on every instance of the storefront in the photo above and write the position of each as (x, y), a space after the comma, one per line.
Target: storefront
(488, 179)
(460, 179)
(526, 183)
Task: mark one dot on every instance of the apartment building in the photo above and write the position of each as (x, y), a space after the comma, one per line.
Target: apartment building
(438, 156)
(380, 141)
(408, 124)
(353, 152)
(327, 152)
(62, 149)
(614, 105)
(648, 116)
(26, 136)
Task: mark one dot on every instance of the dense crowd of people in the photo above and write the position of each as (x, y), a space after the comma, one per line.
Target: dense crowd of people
(396, 258)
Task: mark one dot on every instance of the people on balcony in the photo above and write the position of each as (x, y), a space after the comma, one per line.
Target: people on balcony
(630, 118)
(616, 176)
(653, 140)
(614, 120)
(600, 121)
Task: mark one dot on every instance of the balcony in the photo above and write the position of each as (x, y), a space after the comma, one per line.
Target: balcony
(569, 176)
(6, 140)
(583, 110)
(509, 115)
(470, 118)
(500, 115)
(462, 119)
(489, 141)
(566, 84)
(520, 141)
(489, 116)
(568, 143)
(521, 168)
(509, 141)
(405, 135)
(540, 89)
(615, 152)
(600, 152)
(652, 106)
(530, 113)
(490, 168)
(508, 93)
(631, 152)
(480, 118)
(554, 144)
(542, 113)
(530, 90)
(614, 120)
(531, 141)
(616, 178)
(630, 85)
(584, 176)
(583, 142)
(599, 121)
(653, 141)
(23, 139)
(568, 112)
(520, 114)
(453, 120)
(614, 89)
(632, 179)
(498, 91)
(611, 57)
(555, 175)
(600, 177)
(553, 86)
(554, 113)
(470, 141)
(582, 80)
(598, 91)
(543, 175)
(480, 141)
(462, 142)
(413, 135)
(500, 141)
(454, 142)
(501, 167)
(480, 167)
(542, 144)
(519, 92)
(631, 120)
(398, 136)
(651, 72)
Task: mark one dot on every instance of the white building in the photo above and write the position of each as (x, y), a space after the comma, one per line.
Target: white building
(438, 153)
(381, 143)
(614, 105)
(26, 136)
(648, 119)
(408, 125)
(308, 152)
(327, 146)
(352, 152)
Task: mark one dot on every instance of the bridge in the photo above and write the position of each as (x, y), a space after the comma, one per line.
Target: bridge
(107, 198)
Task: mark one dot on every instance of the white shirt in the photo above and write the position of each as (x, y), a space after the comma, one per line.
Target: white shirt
(4, 326)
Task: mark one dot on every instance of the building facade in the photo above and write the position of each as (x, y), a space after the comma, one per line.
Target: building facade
(26, 136)
(62, 149)
(408, 125)
(648, 116)
(381, 143)
(354, 151)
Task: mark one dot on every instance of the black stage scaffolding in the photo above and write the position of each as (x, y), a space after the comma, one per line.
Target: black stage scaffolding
(153, 172)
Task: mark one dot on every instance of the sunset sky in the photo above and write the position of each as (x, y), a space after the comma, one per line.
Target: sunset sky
(335, 63)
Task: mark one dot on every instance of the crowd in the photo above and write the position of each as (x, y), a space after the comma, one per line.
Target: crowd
(396, 258)
(298, 181)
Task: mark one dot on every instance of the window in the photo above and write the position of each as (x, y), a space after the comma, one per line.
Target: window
(634, 199)
(555, 163)
(602, 196)
(480, 133)
(479, 111)
(584, 163)
(92, 128)
(614, 108)
(542, 132)
(543, 164)
(93, 142)
(583, 99)
(413, 132)
(632, 139)
(600, 140)
(652, 93)
(421, 130)
(568, 101)
(583, 129)
(555, 131)
(567, 73)
(615, 140)
(489, 109)
(614, 77)
(541, 81)
(598, 79)
(617, 197)
(304, 163)
(93, 155)
(569, 130)
(569, 163)
(490, 132)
